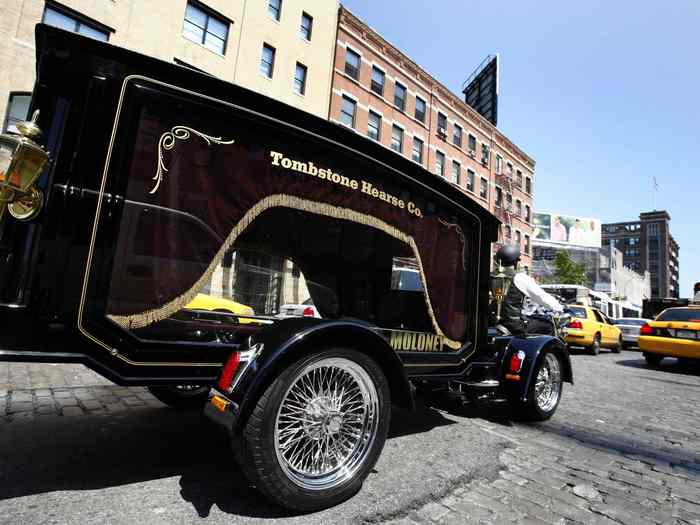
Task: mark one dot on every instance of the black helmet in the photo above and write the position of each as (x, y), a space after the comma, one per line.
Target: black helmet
(508, 255)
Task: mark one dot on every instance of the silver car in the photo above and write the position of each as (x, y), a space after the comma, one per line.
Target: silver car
(629, 326)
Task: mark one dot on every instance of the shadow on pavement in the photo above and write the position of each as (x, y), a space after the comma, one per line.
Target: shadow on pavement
(669, 364)
(54, 453)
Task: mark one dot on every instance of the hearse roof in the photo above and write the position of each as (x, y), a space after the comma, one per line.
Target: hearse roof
(64, 58)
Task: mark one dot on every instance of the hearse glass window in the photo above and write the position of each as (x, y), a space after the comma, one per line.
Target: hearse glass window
(204, 28)
(63, 20)
(245, 225)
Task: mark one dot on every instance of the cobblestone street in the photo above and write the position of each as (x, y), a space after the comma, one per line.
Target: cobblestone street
(624, 447)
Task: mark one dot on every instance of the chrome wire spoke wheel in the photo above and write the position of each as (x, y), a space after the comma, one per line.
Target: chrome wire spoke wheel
(326, 423)
(548, 383)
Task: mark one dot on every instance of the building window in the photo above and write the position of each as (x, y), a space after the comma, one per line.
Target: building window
(509, 202)
(499, 164)
(527, 244)
(528, 185)
(300, 79)
(64, 20)
(457, 136)
(274, 9)
(397, 139)
(17, 111)
(472, 144)
(518, 239)
(377, 82)
(400, 96)
(347, 112)
(484, 190)
(267, 60)
(519, 208)
(509, 233)
(374, 126)
(456, 169)
(499, 197)
(352, 64)
(471, 177)
(440, 163)
(519, 178)
(485, 154)
(527, 213)
(417, 154)
(509, 169)
(420, 109)
(205, 29)
(442, 125)
(307, 24)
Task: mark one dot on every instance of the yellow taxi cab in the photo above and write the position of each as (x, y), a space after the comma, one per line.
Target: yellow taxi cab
(219, 304)
(591, 329)
(674, 333)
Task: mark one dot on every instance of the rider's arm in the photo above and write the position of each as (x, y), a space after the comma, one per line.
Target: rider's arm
(535, 293)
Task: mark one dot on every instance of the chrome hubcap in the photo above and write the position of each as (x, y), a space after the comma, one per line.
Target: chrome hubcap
(548, 383)
(326, 423)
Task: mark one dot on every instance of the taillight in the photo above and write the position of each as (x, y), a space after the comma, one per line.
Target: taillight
(575, 324)
(229, 371)
(646, 330)
(516, 362)
(308, 312)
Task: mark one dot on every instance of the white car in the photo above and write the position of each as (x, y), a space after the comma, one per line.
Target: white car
(298, 310)
(629, 326)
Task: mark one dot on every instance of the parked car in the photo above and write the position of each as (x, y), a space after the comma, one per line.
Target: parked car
(161, 178)
(203, 301)
(591, 329)
(629, 326)
(305, 309)
(674, 333)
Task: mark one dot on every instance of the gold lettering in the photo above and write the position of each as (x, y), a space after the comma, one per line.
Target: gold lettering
(420, 343)
(401, 204)
(437, 343)
(366, 187)
(313, 170)
(353, 184)
(286, 163)
(276, 156)
(300, 166)
(406, 341)
(396, 340)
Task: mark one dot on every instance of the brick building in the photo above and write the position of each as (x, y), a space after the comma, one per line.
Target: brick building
(648, 246)
(381, 93)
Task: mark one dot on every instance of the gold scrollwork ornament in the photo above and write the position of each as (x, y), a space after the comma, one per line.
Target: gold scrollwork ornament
(167, 142)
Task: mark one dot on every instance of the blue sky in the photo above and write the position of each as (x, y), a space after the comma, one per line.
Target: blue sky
(604, 95)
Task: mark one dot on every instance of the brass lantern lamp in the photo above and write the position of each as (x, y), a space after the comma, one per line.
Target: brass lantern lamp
(21, 163)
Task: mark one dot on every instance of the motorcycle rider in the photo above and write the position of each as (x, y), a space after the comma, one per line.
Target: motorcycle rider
(522, 286)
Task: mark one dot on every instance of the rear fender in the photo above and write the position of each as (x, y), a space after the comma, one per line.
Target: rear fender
(533, 347)
(287, 341)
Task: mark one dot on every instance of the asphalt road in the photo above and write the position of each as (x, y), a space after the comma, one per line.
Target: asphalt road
(625, 437)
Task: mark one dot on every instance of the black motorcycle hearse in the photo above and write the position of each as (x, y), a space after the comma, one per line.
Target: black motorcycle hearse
(159, 227)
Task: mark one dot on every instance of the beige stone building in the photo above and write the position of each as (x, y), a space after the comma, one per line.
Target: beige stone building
(282, 48)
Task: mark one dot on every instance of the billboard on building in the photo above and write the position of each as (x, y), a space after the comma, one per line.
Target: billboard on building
(567, 230)
(481, 89)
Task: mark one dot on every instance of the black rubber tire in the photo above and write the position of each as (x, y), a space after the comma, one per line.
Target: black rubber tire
(180, 399)
(529, 410)
(618, 348)
(653, 360)
(594, 349)
(254, 448)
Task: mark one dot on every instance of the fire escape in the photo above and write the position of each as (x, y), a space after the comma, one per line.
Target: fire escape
(504, 208)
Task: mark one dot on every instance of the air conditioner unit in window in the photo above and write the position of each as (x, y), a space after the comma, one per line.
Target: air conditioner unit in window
(442, 133)
(472, 153)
